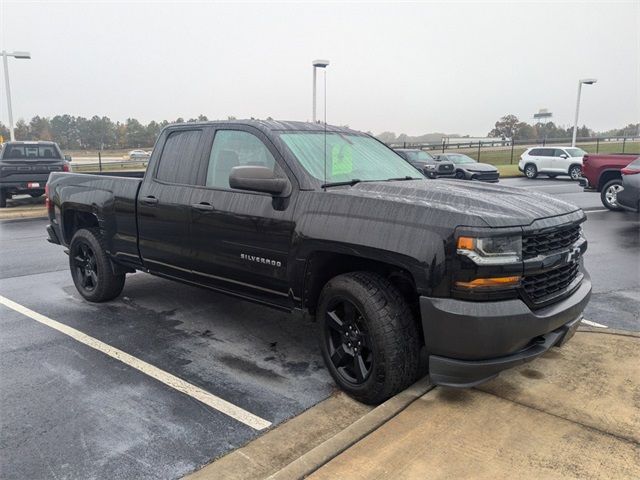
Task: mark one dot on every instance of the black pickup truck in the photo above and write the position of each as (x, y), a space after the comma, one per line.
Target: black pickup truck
(328, 220)
(25, 167)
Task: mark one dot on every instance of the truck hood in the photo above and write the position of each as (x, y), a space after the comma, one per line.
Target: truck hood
(495, 205)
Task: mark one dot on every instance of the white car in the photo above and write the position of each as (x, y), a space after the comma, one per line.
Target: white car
(133, 154)
(552, 161)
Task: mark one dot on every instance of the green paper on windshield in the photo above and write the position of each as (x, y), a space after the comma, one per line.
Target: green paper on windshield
(341, 162)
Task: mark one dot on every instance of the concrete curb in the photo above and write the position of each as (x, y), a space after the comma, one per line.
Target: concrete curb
(30, 213)
(325, 452)
(609, 331)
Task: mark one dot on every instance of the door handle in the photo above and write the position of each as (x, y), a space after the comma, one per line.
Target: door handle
(203, 207)
(150, 200)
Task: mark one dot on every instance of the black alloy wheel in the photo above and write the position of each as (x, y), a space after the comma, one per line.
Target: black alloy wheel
(348, 343)
(460, 175)
(95, 277)
(85, 267)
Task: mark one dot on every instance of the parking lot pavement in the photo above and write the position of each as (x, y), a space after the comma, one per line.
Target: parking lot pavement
(573, 413)
(562, 187)
(69, 410)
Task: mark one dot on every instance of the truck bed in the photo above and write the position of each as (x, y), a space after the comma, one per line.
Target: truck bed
(111, 199)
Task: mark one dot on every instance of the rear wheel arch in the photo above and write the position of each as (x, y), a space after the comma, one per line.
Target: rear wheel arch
(73, 220)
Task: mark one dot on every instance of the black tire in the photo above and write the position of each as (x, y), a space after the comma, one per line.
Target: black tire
(609, 193)
(459, 174)
(91, 269)
(575, 172)
(552, 175)
(389, 350)
(36, 194)
(530, 170)
(3, 199)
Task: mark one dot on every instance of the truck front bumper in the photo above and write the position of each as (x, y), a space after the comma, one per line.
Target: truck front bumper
(471, 342)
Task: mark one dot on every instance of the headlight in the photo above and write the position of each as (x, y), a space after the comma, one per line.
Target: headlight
(491, 250)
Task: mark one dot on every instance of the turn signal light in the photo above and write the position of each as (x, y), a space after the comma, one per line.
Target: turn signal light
(466, 243)
(513, 281)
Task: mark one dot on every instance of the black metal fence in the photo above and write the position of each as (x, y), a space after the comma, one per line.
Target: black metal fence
(506, 150)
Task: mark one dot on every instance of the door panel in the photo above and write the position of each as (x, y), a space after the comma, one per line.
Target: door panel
(545, 159)
(164, 203)
(242, 243)
(561, 164)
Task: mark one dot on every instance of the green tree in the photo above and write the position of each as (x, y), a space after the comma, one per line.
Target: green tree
(40, 128)
(135, 133)
(152, 131)
(524, 131)
(22, 131)
(505, 127)
(64, 131)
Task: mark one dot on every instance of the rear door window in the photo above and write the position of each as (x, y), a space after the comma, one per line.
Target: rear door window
(30, 152)
(181, 158)
(535, 152)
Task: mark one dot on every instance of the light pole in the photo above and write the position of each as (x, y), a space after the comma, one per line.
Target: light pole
(317, 64)
(5, 55)
(587, 81)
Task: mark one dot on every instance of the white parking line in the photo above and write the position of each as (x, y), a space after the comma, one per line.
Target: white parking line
(172, 381)
(593, 324)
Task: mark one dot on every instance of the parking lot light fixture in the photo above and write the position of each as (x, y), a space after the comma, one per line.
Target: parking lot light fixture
(586, 81)
(5, 56)
(317, 64)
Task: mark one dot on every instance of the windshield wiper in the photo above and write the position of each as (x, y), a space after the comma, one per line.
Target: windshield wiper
(400, 179)
(351, 183)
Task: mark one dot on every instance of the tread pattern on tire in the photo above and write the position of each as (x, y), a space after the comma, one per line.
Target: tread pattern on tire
(394, 331)
(110, 285)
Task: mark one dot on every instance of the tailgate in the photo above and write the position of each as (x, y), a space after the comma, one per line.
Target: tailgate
(21, 170)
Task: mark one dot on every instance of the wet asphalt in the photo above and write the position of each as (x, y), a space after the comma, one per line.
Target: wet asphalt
(69, 411)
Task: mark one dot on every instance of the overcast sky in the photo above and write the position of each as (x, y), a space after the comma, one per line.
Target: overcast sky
(408, 68)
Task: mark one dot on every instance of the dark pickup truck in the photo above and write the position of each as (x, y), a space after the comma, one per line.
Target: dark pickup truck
(304, 217)
(25, 168)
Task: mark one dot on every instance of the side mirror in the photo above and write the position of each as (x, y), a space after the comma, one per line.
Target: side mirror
(564, 155)
(67, 158)
(257, 179)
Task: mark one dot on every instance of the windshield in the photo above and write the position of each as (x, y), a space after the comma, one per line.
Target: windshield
(459, 158)
(348, 157)
(575, 152)
(30, 152)
(420, 156)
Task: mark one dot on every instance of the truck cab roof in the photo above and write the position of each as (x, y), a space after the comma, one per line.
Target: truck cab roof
(267, 126)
